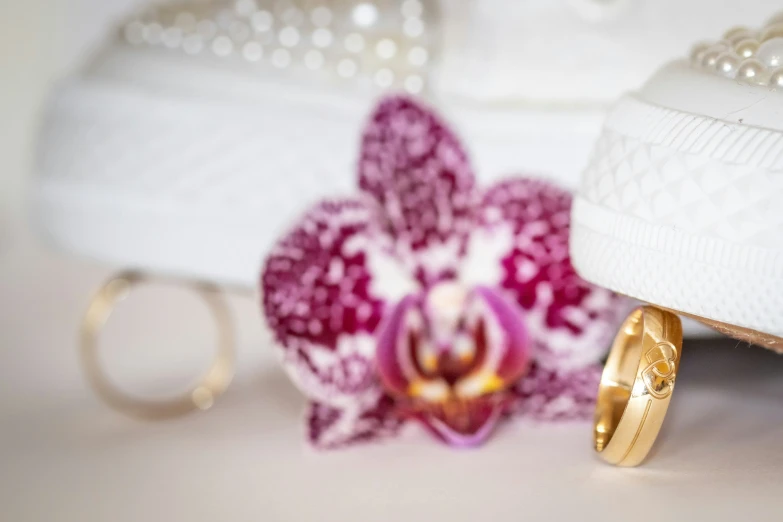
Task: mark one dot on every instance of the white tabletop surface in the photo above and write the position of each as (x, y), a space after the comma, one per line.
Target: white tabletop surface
(65, 456)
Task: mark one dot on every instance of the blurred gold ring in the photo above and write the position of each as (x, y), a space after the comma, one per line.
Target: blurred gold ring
(201, 396)
(636, 385)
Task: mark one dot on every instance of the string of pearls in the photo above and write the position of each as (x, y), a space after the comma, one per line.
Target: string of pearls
(380, 42)
(747, 55)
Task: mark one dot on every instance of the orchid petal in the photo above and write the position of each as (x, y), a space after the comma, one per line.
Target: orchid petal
(319, 302)
(571, 321)
(415, 169)
(547, 395)
(332, 427)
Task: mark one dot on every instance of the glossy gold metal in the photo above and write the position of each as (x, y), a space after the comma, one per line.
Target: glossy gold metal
(201, 397)
(636, 385)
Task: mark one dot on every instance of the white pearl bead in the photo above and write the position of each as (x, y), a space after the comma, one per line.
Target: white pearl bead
(413, 27)
(134, 33)
(239, 31)
(772, 31)
(738, 37)
(281, 58)
(252, 51)
(727, 64)
(207, 29)
(245, 7)
(751, 71)
(734, 31)
(262, 21)
(354, 43)
(697, 52)
(386, 48)
(776, 80)
(414, 84)
(709, 58)
(322, 37)
(770, 53)
(746, 48)
(224, 18)
(172, 37)
(314, 59)
(411, 9)
(153, 33)
(289, 36)
(776, 18)
(222, 45)
(193, 44)
(418, 56)
(384, 77)
(365, 14)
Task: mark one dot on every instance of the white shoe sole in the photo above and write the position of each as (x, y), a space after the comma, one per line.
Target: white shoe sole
(682, 203)
(191, 171)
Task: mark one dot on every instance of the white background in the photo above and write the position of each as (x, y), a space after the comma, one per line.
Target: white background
(64, 456)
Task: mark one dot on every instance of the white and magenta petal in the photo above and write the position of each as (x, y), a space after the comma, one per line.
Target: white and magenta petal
(416, 171)
(319, 302)
(571, 322)
(547, 395)
(373, 419)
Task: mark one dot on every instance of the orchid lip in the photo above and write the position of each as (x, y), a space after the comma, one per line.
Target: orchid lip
(488, 339)
(467, 426)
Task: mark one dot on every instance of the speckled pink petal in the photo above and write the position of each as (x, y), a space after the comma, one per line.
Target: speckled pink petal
(318, 301)
(571, 322)
(332, 427)
(547, 395)
(415, 168)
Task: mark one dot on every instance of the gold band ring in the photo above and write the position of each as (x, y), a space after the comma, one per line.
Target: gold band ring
(201, 396)
(636, 385)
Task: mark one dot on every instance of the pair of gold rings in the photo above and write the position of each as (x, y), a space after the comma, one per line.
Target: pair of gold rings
(633, 396)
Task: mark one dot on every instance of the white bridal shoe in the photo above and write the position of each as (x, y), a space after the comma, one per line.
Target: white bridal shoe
(682, 202)
(192, 139)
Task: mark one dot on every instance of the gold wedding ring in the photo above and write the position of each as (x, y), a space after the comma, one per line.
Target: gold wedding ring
(636, 385)
(200, 397)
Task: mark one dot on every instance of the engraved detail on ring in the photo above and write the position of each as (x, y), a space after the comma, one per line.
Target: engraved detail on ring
(637, 385)
(658, 376)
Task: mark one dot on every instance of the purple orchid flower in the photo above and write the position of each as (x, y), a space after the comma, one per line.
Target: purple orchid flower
(428, 299)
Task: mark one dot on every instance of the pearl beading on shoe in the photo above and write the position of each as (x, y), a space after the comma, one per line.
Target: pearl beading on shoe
(753, 56)
(385, 43)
